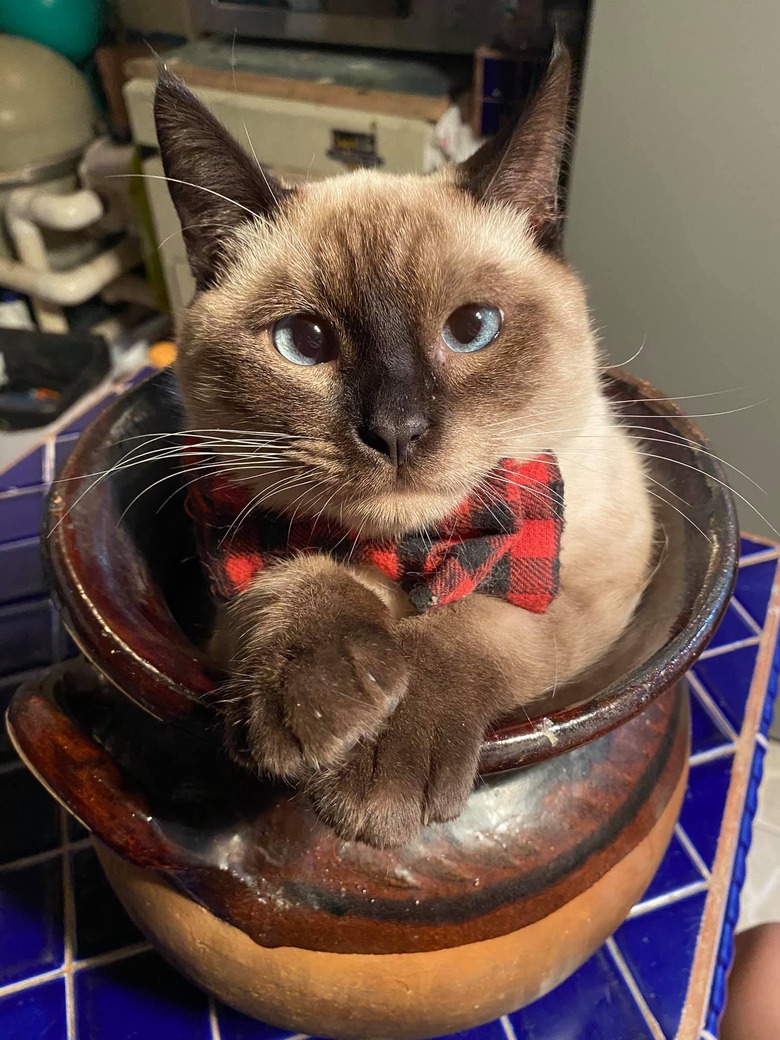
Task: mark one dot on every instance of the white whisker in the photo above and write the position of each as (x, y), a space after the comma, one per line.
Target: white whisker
(633, 357)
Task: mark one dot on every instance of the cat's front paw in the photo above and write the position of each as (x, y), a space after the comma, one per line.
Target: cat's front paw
(421, 769)
(320, 674)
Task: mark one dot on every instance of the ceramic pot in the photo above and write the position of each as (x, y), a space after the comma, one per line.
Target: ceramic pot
(238, 883)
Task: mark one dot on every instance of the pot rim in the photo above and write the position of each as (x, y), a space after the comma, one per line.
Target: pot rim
(121, 656)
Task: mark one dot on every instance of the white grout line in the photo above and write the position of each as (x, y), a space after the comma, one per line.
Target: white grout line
(712, 708)
(28, 606)
(89, 962)
(69, 921)
(711, 754)
(79, 843)
(739, 644)
(688, 845)
(213, 1022)
(17, 678)
(509, 1029)
(760, 557)
(636, 992)
(112, 956)
(668, 898)
(42, 857)
(746, 617)
(20, 543)
(36, 980)
(11, 767)
(25, 492)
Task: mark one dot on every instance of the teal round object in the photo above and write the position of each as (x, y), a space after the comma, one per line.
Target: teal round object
(70, 27)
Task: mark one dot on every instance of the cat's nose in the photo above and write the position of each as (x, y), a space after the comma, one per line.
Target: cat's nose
(396, 440)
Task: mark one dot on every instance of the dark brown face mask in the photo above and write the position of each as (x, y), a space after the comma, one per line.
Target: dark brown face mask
(507, 548)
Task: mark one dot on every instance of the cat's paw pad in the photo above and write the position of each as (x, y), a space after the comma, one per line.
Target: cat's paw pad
(410, 776)
(306, 698)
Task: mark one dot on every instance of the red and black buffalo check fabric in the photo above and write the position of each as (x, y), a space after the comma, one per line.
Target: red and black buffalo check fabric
(505, 543)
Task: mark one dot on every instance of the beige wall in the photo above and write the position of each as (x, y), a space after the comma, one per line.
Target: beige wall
(675, 210)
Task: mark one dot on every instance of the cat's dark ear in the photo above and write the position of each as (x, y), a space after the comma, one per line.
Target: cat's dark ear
(215, 186)
(522, 165)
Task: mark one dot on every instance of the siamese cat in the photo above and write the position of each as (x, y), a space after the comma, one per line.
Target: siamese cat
(417, 506)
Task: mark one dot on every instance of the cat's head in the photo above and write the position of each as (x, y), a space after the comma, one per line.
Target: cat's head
(386, 338)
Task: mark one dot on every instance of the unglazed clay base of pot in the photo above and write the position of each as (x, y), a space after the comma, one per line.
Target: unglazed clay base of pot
(406, 996)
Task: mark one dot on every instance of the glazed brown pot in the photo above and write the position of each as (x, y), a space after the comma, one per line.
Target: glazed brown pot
(239, 884)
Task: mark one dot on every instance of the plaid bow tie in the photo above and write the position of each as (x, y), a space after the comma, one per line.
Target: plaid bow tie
(505, 543)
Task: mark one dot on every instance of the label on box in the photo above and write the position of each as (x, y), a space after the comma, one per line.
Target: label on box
(354, 149)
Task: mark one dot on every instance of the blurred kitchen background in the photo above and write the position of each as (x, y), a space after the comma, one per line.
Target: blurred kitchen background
(669, 192)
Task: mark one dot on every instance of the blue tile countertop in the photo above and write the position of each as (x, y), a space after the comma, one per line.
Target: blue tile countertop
(73, 966)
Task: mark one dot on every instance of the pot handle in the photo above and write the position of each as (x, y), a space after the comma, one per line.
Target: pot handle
(82, 776)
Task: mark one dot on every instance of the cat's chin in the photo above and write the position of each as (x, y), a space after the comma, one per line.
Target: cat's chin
(391, 514)
(378, 510)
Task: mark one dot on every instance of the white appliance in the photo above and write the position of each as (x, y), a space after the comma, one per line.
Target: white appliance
(296, 138)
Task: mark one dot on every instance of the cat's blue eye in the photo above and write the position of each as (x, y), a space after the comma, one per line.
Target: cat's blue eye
(471, 327)
(304, 339)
